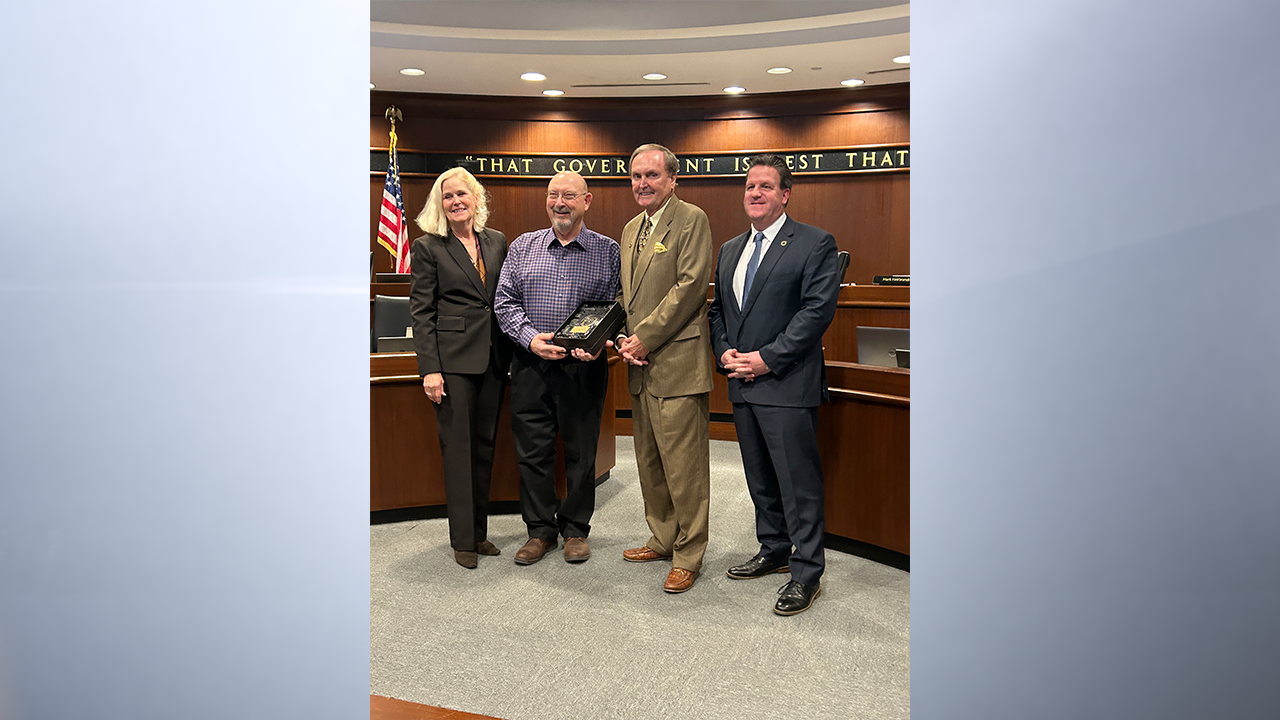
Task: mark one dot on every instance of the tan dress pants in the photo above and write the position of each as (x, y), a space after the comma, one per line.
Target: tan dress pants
(672, 437)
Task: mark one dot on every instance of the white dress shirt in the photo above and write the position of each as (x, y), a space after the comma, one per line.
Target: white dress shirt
(740, 273)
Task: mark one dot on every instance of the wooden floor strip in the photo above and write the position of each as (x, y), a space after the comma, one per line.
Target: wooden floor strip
(385, 708)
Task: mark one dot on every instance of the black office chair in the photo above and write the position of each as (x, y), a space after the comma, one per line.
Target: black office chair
(390, 318)
(843, 255)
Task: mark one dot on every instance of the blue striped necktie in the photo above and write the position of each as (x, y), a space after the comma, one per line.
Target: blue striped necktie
(752, 264)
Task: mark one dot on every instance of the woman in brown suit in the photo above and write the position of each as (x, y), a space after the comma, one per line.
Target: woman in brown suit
(463, 356)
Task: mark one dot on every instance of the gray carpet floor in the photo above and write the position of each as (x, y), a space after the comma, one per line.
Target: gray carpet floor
(602, 640)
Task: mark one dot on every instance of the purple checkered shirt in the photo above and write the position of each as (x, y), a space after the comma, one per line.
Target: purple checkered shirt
(543, 282)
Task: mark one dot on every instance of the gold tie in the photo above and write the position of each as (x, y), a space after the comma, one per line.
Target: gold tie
(644, 235)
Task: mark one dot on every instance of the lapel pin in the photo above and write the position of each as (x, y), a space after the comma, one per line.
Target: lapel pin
(784, 243)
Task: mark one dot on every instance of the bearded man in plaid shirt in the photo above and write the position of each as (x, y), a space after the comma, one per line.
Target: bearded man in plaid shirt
(546, 276)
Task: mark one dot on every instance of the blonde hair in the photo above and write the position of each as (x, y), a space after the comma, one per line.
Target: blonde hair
(432, 219)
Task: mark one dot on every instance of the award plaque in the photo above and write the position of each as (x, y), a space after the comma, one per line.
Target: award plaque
(590, 326)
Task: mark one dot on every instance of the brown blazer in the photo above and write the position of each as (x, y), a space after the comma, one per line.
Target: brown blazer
(454, 329)
(665, 298)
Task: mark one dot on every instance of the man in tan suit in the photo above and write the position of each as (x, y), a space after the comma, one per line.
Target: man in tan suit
(666, 264)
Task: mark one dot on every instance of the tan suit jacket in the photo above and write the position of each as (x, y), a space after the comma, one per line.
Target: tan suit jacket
(664, 293)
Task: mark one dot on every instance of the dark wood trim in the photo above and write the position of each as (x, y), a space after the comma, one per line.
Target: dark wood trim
(830, 101)
(872, 379)
(684, 180)
(392, 379)
(385, 708)
(774, 151)
(871, 397)
(868, 551)
(435, 512)
(724, 431)
(384, 366)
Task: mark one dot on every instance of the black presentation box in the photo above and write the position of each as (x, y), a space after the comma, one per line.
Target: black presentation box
(590, 326)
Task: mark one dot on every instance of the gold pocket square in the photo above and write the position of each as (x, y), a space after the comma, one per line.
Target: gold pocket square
(659, 248)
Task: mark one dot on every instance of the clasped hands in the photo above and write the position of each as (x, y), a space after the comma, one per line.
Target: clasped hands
(631, 350)
(743, 366)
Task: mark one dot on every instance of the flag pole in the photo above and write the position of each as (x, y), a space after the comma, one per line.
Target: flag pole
(393, 114)
(392, 230)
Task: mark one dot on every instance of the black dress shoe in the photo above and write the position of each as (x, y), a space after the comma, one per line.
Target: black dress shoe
(758, 566)
(796, 597)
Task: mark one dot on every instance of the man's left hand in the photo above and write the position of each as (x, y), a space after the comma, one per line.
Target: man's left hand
(580, 354)
(634, 351)
(748, 366)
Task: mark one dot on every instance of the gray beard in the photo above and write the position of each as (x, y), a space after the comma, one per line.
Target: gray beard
(562, 226)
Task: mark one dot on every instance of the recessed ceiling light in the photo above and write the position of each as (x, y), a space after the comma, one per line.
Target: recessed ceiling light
(734, 90)
(852, 82)
(412, 71)
(778, 70)
(533, 77)
(655, 76)
(371, 86)
(903, 59)
(553, 93)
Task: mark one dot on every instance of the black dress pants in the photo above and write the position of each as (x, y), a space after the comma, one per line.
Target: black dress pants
(550, 397)
(779, 448)
(467, 418)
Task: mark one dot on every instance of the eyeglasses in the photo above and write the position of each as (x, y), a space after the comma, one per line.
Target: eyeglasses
(567, 197)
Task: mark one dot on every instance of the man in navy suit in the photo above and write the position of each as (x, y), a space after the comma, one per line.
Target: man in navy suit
(775, 295)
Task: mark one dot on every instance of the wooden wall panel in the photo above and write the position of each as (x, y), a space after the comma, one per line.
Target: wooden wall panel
(866, 468)
(868, 214)
(405, 463)
(864, 213)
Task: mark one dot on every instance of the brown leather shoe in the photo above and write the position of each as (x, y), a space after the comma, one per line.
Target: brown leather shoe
(533, 550)
(484, 547)
(679, 580)
(465, 559)
(576, 549)
(642, 554)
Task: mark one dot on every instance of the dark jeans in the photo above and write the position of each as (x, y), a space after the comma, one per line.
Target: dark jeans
(550, 397)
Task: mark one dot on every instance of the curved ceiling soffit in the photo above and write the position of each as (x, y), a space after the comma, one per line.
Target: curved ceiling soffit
(696, 40)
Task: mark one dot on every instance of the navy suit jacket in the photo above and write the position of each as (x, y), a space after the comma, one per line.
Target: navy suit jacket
(790, 306)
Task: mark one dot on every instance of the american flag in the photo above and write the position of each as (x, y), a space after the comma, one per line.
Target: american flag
(392, 231)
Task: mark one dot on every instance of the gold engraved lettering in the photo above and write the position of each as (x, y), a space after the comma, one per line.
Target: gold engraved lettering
(707, 165)
(495, 165)
(691, 165)
(816, 160)
(575, 165)
(526, 162)
(591, 165)
(804, 162)
(868, 158)
(482, 162)
(850, 156)
(558, 165)
(791, 161)
(902, 157)
(888, 159)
